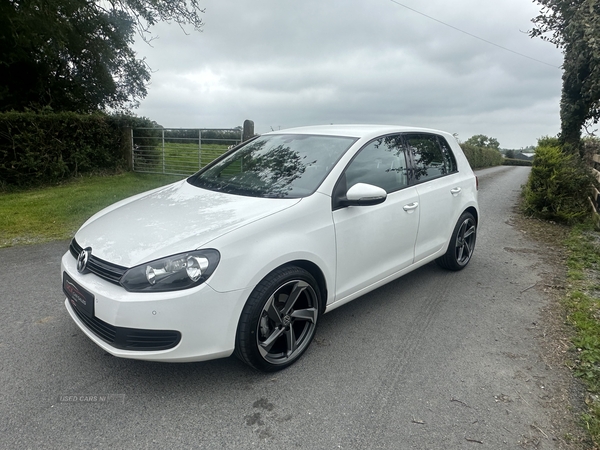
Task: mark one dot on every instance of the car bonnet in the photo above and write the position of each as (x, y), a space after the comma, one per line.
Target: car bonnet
(175, 219)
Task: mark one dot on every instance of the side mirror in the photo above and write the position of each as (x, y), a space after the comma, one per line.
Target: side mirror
(362, 194)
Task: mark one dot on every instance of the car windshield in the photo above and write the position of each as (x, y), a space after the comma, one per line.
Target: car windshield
(282, 165)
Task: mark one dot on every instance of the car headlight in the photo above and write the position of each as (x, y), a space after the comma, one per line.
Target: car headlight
(173, 273)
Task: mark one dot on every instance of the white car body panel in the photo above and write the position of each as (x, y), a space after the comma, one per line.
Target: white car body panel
(303, 232)
(436, 200)
(177, 218)
(206, 319)
(364, 257)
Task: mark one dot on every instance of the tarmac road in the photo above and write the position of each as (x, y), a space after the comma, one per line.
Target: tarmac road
(434, 360)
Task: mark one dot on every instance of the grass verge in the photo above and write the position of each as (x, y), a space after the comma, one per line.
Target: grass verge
(56, 212)
(582, 302)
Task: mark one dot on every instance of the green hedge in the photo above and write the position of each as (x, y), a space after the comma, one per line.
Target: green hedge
(44, 148)
(480, 157)
(516, 162)
(558, 186)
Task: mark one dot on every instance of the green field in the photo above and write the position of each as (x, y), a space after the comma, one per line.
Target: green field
(56, 212)
(182, 158)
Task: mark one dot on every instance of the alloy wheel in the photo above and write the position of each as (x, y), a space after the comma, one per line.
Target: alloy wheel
(465, 241)
(287, 322)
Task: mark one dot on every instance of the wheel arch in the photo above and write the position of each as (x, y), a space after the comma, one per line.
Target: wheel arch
(473, 210)
(247, 346)
(449, 260)
(318, 275)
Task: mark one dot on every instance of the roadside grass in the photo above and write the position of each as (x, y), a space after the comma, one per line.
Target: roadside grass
(56, 212)
(582, 302)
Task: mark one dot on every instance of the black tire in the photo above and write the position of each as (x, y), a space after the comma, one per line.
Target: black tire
(279, 319)
(462, 244)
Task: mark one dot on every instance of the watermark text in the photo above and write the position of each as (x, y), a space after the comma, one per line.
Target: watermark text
(96, 398)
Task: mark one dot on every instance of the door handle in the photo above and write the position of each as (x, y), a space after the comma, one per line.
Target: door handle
(410, 206)
(455, 191)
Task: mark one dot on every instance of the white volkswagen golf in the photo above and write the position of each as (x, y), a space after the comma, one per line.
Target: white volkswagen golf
(247, 254)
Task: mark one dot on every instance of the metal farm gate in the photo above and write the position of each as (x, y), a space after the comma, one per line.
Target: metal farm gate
(179, 151)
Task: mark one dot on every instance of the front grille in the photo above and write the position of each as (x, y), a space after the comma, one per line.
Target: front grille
(103, 330)
(105, 270)
(130, 338)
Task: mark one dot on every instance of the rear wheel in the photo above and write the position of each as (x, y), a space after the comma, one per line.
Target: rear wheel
(462, 244)
(279, 320)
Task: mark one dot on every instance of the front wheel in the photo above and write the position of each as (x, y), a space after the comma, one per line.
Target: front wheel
(279, 320)
(462, 244)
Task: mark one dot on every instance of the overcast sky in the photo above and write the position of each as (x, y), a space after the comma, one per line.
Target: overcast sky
(284, 63)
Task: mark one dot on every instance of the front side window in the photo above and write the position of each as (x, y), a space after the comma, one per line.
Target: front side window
(381, 163)
(431, 156)
(278, 166)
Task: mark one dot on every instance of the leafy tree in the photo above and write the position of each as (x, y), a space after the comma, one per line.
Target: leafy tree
(510, 153)
(574, 26)
(482, 141)
(76, 55)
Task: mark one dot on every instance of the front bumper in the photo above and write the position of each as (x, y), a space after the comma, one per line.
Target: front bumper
(205, 319)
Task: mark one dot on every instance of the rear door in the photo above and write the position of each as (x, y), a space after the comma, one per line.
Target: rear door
(440, 188)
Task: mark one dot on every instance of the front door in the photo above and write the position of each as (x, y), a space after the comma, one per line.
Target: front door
(374, 242)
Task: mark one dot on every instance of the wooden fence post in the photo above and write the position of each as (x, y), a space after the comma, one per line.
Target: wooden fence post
(248, 130)
(127, 146)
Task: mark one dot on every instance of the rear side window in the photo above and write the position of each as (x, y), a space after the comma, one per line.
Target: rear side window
(431, 155)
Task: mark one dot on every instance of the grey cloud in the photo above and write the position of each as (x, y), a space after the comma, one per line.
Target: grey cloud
(299, 63)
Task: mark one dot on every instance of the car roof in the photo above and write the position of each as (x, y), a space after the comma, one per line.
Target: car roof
(355, 130)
